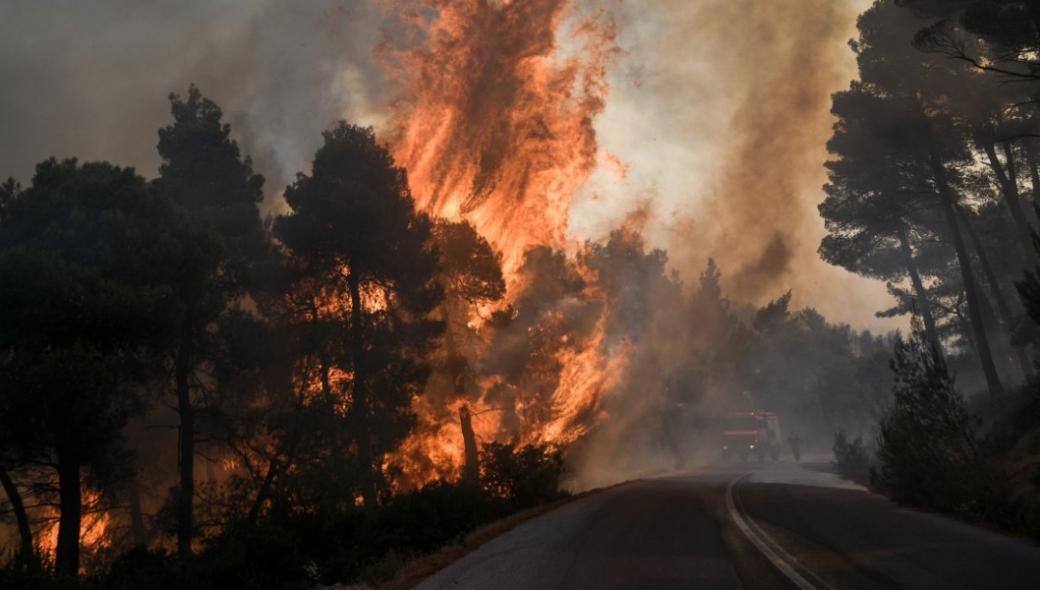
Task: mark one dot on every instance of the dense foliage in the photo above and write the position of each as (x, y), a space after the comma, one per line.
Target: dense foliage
(933, 187)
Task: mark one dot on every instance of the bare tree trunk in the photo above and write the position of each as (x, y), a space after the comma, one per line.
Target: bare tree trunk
(948, 200)
(1009, 188)
(361, 406)
(923, 305)
(1034, 173)
(1006, 317)
(20, 516)
(137, 527)
(186, 449)
(471, 471)
(276, 468)
(265, 489)
(66, 559)
(966, 330)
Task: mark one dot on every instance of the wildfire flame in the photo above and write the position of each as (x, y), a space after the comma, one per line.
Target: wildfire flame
(94, 535)
(496, 128)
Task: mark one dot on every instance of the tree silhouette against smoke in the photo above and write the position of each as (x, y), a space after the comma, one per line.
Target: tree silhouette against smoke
(204, 173)
(471, 274)
(1010, 30)
(899, 115)
(353, 229)
(89, 260)
(878, 210)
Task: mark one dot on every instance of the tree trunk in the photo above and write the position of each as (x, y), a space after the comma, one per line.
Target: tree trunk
(263, 491)
(361, 407)
(924, 306)
(948, 200)
(471, 470)
(276, 468)
(1034, 173)
(20, 516)
(137, 527)
(966, 330)
(186, 449)
(1006, 317)
(66, 559)
(1009, 189)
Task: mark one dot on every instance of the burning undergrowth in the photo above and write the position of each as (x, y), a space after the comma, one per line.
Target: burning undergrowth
(596, 351)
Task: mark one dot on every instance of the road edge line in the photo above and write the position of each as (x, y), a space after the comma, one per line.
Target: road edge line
(761, 540)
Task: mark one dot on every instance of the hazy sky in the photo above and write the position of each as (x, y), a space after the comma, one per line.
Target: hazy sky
(718, 108)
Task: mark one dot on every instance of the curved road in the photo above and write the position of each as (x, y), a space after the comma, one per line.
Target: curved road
(784, 526)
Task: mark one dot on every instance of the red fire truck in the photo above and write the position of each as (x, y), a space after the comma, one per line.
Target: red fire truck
(751, 434)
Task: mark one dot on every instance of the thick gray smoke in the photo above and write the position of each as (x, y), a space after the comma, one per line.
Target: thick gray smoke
(718, 109)
(90, 79)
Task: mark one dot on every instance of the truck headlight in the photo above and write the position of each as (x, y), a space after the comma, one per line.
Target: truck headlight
(751, 446)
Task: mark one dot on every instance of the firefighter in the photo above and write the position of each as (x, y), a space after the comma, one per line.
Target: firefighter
(794, 441)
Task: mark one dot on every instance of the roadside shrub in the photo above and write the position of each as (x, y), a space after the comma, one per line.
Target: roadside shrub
(852, 458)
(299, 549)
(928, 445)
(522, 476)
(142, 568)
(288, 548)
(21, 573)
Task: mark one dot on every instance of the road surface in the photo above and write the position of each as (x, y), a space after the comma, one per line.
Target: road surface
(782, 526)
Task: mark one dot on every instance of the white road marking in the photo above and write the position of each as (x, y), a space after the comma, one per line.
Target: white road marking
(768, 546)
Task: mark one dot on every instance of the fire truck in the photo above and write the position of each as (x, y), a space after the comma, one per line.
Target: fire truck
(751, 434)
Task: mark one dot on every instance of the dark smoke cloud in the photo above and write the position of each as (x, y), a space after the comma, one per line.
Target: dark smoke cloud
(90, 79)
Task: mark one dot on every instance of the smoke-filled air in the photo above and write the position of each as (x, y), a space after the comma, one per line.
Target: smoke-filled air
(331, 294)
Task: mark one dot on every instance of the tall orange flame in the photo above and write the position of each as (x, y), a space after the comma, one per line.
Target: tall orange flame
(496, 128)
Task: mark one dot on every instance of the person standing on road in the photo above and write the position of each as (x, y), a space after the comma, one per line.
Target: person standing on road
(794, 441)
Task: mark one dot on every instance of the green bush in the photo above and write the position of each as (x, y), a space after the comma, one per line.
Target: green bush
(524, 476)
(852, 458)
(928, 445)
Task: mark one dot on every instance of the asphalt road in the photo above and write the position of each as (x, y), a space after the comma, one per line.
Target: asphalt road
(784, 526)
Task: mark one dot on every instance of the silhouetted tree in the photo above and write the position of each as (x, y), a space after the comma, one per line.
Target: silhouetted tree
(354, 232)
(9, 191)
(901, 118)
(771, 316)
(85, 257)
(470, 272)
(927, 442)
(203, 172)
(14, 498)
(874, 208)
(1009, 31)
